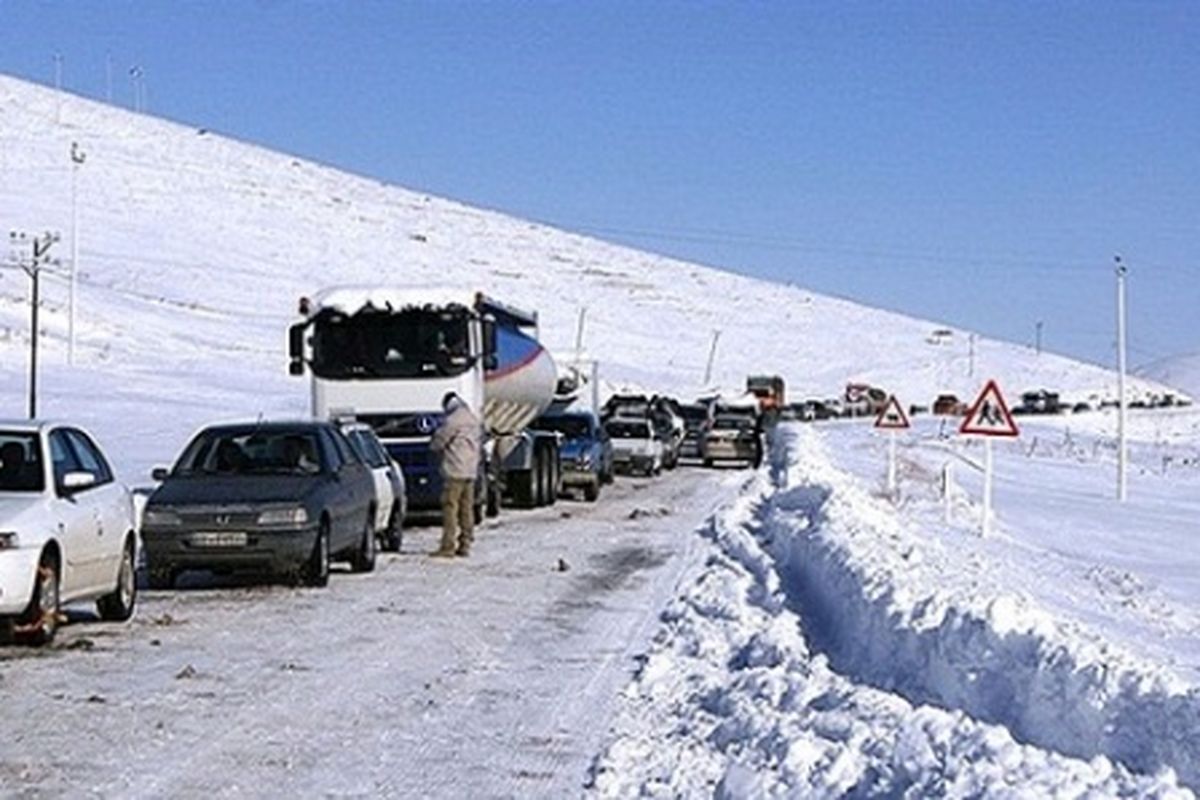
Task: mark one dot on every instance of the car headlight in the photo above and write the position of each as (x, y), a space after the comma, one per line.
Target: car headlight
(283, 516)
(158, 517)
(9, 540)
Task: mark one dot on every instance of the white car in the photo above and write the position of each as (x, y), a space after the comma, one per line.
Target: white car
(67, 530)
(391, 501)
(635, 447)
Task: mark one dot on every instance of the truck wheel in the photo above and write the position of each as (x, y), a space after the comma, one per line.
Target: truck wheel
(539, 481)
(522, 488)
(118, 606)
(553, 472)
(493, 501)
(591, 492)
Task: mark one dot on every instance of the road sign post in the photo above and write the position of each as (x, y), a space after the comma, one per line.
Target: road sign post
(990, 418)
(892, 419)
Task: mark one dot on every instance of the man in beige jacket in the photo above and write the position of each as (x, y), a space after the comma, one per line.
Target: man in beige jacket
(458, 443)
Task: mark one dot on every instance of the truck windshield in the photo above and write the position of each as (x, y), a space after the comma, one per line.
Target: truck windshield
(377, 343)
(20, 462)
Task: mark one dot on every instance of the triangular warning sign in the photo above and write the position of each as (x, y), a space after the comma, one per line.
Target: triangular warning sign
(989, 414)
(892, 417)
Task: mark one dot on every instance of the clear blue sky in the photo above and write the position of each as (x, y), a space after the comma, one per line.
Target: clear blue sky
(970, 162)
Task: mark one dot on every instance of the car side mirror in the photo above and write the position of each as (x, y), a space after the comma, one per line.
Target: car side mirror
(159, 474)
(77, 481)
(296, 348)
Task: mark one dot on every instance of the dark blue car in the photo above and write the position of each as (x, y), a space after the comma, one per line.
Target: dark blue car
(585, 450)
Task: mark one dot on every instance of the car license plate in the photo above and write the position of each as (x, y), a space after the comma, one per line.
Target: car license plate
(219, 539)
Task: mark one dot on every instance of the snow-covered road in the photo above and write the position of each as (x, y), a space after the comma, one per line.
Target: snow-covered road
(492, 677)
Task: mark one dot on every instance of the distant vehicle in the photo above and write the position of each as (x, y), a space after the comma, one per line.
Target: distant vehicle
(285, 497)
(391, 501)
(769, 389)
(1080, 408)
(732, 438)
(585, 448)
(948, 405)
(1040, 401)
(696, 419)
(635, 447)
(67, 530)
(669, 429)
(863, 400)
(627, 406)
(388, 355)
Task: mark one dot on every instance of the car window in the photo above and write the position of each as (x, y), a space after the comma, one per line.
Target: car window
(21, 462)
(89, 456)
(62, 458)
(344, 449)
(253, 450)
(336, 461)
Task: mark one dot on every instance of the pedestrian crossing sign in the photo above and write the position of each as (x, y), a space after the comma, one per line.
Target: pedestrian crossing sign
(892, 417)
(989, 415)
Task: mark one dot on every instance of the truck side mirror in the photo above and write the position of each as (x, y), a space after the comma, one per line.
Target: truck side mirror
(490, 358)
(296, 348)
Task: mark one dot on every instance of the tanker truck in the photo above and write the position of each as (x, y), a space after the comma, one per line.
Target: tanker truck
(387, 356)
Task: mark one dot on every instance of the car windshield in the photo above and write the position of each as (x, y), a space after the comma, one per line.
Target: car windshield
(378, 343)
(21, 462)
(569, 426)
(734, 424)
(246, 452)
(628, 430)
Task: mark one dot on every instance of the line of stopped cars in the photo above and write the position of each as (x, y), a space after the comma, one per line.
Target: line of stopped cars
(280, 497)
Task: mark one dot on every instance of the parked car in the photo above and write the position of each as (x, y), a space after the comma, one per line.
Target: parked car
(635, 447)
(391, 500)
(285, 497)
(696, 419)
(732, 438)
(948, 405)
(67, 530)
(585, 449)
(669, 430)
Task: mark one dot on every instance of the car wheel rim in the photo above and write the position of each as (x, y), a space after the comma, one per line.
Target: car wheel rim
(126, 580)
(48, 600)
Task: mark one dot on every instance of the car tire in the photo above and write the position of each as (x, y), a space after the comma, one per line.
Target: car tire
(591, 492)
(40, 620)
(315, 570)
(118, 606)
(708, 462)
(363, 559)
(393, 535)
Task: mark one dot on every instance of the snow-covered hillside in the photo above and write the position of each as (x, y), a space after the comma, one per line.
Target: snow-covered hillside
(194, 249)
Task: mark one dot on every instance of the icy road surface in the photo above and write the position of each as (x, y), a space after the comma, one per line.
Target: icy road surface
(490, 677)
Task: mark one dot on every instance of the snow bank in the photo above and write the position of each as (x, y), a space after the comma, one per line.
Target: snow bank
(880, 607)
(733, 701)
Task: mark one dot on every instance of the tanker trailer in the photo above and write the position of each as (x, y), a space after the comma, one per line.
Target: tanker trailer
(387, 356)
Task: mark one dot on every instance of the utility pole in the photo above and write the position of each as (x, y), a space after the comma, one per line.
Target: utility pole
(77, 159)
(712, 354)
(135, 84)
(1122, 448)
(579, 333)
(1039, 337)
(33, 269)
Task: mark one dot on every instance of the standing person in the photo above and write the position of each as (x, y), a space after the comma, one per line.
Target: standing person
(458, 442)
